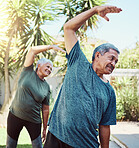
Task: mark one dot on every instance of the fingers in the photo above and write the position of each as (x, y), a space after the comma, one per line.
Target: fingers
(43, 138)
(106, 18)
(55, 47)
(103, 10)
(63, 51)
(113, 9)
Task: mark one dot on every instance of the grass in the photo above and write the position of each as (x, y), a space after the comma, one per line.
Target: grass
(23, 141)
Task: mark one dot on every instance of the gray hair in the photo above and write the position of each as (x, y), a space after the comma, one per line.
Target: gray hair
(43, 61)
(103, 48)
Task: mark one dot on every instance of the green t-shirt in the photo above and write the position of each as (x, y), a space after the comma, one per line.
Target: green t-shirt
(31, 93)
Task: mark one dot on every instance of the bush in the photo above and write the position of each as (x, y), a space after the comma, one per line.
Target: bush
(129, 58)
(127, 99)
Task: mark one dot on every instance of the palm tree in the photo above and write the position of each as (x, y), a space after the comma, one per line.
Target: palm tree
(71, 8)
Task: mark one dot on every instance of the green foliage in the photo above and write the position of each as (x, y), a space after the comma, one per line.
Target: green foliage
(127, 99)
(71, 8)
(129, 58)
(126, 87)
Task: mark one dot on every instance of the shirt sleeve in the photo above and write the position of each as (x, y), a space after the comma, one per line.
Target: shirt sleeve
(47, 99)
(26, 70)
(109, 117)
(74, 54)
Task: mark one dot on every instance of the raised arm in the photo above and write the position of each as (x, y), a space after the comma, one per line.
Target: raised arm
(75, 23)
(37, 49)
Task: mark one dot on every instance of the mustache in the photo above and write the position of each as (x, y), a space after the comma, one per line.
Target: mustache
(109, 65)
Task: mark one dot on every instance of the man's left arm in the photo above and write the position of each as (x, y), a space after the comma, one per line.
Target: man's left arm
(104, 135)
(45, 115)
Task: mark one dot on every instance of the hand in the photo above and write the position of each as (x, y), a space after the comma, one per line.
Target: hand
(56, 48)
(103, 10)
(43, 135)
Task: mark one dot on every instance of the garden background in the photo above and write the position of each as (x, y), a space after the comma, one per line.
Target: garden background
(26, 23)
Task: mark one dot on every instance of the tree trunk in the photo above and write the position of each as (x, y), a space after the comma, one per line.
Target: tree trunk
(6, 73)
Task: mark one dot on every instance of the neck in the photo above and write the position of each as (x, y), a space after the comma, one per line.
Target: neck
(39, 75)
(98, 72)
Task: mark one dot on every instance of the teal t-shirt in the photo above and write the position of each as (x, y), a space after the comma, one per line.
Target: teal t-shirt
(31, 93)
(84, 102)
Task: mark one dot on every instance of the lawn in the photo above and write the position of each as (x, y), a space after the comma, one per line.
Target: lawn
(23, 141)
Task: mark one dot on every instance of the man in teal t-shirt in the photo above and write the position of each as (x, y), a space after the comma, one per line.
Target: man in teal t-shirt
(86, 102)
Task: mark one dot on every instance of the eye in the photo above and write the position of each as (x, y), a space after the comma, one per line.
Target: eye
(112, 58)
(116, 61)
(49, 67)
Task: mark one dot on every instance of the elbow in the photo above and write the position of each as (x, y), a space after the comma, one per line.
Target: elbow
(68, 29)
(69, 26)
(65, 27)
(31, 50)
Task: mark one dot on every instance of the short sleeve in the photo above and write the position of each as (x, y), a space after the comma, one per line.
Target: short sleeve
(109, 117)
(47, 99)
(28, 68)
(74, 54)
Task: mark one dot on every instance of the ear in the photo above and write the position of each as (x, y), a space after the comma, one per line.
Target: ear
(97, 55)
(39, 65)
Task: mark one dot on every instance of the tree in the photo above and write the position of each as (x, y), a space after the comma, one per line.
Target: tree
(71, 8)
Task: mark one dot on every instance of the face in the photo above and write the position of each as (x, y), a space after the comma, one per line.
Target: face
(45, 69)
(108, 61)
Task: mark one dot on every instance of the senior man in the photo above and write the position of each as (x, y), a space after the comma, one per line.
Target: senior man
(86, 104)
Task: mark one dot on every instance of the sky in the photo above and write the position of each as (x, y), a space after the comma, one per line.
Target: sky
(122, 30)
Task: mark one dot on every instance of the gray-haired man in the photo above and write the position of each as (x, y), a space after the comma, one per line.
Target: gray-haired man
(86, 102)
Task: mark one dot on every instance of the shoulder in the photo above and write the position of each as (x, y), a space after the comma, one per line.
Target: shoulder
(27, 71)
(29, 68)
(74, 49)
(76, 54)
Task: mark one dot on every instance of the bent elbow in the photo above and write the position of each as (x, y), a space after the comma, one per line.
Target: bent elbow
(65, 27)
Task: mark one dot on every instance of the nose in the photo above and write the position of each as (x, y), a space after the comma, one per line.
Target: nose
(113, 64)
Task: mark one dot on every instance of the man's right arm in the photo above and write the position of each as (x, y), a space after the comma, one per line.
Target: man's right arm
(75, 23)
